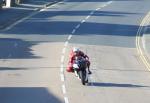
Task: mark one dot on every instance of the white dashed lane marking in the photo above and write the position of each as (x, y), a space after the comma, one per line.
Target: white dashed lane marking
(69, 37)
(64, 50)
(62, 59)
(74, 30)
(64, 89)
(66, 43)
(62, 75)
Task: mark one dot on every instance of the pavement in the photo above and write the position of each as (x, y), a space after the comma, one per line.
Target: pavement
(10, 15)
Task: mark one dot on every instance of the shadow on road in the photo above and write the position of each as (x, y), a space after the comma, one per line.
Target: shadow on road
(27, 95)
(97, 84)
(48, 25)
(98, 0)
(16, 49)
(25, 68)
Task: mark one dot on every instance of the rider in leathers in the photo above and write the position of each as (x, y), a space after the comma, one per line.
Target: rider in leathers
(75, 52)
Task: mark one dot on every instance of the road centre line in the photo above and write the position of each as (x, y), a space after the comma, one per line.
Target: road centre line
(64, 89)
(78, 26)
(62, 77)
(66, 43)
(64, 50)
(69, 37)
(83, 21)
(98, 9)
(109, 2)
(92, 13)
(62, 68)
(87, 17)
(66, 99)
(104, 5)
(62, 59)
(74, 30)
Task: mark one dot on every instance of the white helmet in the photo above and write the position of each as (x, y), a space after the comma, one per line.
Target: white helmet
(75, 49)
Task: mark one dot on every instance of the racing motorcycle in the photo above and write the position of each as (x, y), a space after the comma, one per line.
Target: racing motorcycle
(80, 69)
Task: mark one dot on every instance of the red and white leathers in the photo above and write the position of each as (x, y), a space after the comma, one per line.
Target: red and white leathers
(72, 58)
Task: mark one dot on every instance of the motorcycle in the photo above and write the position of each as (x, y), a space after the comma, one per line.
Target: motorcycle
(80, 69)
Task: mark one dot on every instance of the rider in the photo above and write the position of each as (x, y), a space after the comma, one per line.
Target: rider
(75, 52)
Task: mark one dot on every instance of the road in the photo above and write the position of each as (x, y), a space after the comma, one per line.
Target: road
(34, 54)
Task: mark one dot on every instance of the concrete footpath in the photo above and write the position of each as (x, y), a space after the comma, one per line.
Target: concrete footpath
(10, 15)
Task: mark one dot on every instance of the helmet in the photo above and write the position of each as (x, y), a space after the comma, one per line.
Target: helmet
(76, 49)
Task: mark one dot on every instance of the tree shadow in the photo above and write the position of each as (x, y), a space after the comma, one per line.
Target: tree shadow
(48, 14)
(55, 30)
(97, 84)
(16, 49)
(15, 13)
(27, 95)
(26, 68)
(10, 68)
(126, 70)
(98, 0)
(58, 28)
(46, 24)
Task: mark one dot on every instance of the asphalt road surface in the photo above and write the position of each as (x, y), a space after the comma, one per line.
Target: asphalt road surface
(34, 54)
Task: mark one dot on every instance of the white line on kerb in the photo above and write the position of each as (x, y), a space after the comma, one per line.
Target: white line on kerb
(61, 66)
(64, 89)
